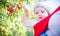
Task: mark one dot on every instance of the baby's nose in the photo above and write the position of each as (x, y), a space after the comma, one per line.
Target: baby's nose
(40, 14)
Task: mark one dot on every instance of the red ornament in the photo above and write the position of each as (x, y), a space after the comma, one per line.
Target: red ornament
(11, 10)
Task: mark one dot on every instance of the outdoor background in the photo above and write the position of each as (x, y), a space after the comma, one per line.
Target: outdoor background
(12, 14)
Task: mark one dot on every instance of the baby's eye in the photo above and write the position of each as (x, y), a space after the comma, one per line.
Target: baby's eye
(42, 11)
(36, 13)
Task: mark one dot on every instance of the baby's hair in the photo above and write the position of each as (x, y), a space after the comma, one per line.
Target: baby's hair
(42, 7)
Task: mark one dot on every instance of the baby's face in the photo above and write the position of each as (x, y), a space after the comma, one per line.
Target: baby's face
(40, 13)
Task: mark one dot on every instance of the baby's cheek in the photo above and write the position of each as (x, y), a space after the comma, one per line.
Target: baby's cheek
(45, 15)
(36, 18)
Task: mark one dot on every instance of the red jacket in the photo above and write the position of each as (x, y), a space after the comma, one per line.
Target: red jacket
(42, 25)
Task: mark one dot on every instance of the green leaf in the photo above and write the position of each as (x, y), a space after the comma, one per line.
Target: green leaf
(18, 1)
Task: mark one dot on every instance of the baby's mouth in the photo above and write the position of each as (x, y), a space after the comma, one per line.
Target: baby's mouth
(40, 17)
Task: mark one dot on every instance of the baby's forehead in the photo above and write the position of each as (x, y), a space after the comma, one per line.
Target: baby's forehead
(39, 8)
